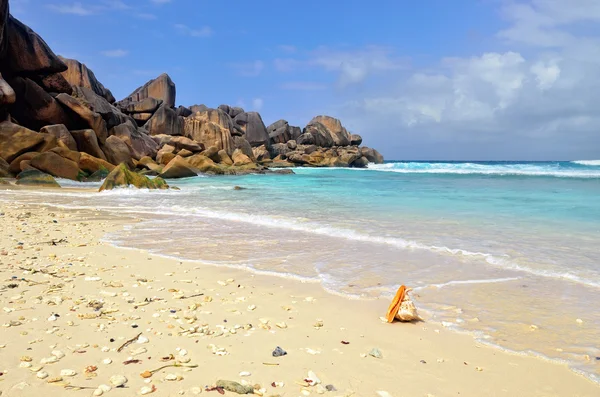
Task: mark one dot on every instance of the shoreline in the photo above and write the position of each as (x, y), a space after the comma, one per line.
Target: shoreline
(402, 345)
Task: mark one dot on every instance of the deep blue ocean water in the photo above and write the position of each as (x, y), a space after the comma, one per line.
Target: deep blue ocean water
(491, 248)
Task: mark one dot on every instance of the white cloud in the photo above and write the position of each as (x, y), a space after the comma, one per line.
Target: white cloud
(257, 104)
(536, 98)
(546, 73)
(354, 66)
(303, 86)
(204, 31)
(74, 9)
(160, 2)
(118, 53)
(250, 69)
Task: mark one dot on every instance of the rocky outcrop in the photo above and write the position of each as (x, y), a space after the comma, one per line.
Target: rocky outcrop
(281, 132)
(77, 74)
(147, 105)
(242, 144)
(165, 121)
(68, 154)
(4, 169)
(87, 142)
(338, 133)
(161, 88)
(240, 159)
(34, 107)
(49, 142)
(121, 176)
(7, 95)
(138, 141)
(372, 155)
(320, 134)
(355, 140)
(117, 151)
(165, 154)
(27, 53)
(204, 164)
(15, 165)
(57, 166)
(91, 164)
(183, 111)
(16, 140)
(88, 118)
(62, 134)
(210, 128)
(54, 83)
(178, 142)
(84, 131)
(252, 125)
(224, 158)
(178, 168)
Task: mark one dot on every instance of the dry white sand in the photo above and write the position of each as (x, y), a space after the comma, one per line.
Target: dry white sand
(84, 299)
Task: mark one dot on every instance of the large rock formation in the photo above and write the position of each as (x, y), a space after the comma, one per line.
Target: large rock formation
(281, 132)
(87, 118)
(178, 168)
(87, 142)
(138, 141)
(77, 74)
(34, 107)
(338, 133)
(161, 88)
(210, 127)
(83, 131)
(55, 165)
(252, 125)
(26, 52)
(165, 121)
(62, 134)
(16, 140)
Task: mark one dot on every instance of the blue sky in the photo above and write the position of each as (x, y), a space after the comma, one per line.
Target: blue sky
(428, 79)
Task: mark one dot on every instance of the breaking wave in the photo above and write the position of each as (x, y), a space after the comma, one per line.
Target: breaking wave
(575, 169)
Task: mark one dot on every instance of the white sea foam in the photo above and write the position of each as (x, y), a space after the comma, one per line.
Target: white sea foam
(503, 262)
(592, 163)
(525, 169)
(463, 282)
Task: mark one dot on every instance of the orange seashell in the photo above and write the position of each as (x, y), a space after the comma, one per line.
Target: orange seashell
(395, 305)
(146, 374)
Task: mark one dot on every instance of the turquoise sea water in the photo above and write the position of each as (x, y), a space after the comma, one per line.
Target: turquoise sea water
(508, 251)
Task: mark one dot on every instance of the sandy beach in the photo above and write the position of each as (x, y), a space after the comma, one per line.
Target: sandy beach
(70, 302)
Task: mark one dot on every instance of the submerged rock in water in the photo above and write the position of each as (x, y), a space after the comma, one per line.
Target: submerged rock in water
(121, 176)
(33, 177)
(97, 176)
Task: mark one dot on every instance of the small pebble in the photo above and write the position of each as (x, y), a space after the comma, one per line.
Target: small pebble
(278, 352)
(118, 380)
(375, 353)
(67, 372)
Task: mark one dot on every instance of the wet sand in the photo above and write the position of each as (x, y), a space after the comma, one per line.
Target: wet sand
(80, 300)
